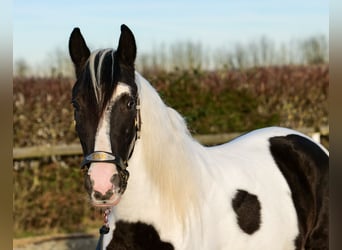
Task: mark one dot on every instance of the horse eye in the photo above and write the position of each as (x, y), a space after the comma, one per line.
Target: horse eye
(75, 105)
(130, 104)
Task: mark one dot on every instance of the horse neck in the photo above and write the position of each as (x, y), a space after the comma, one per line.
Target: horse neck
(167, 154)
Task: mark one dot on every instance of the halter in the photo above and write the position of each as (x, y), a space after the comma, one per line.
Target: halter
(108, 157)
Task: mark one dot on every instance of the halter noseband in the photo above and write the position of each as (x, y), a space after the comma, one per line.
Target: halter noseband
(102, 156)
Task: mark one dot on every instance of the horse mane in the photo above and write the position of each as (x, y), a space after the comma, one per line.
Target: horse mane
(170, 154)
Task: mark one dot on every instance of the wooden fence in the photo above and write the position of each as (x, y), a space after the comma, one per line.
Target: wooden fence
(75, 149)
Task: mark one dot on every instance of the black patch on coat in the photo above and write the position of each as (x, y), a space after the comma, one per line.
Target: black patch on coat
(305, 167)
(247, 208)
(136, 236)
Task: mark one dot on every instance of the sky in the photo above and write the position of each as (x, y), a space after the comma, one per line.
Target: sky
(41, 27)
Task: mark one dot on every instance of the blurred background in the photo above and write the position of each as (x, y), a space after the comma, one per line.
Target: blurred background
(227, 66)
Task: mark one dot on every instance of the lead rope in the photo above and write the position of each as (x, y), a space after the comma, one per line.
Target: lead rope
(104, 229)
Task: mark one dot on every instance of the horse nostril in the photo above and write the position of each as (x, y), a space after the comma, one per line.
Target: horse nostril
(115, 180)
(99, 196)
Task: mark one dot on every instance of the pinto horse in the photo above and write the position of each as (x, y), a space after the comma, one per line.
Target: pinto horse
(267, 189)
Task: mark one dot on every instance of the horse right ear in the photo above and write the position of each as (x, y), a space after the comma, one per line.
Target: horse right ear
(127, 48)
(78, 50)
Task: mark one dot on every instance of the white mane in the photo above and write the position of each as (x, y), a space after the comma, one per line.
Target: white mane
(170, 153)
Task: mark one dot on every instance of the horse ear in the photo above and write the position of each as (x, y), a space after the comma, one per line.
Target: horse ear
(127, 48)
(78, 50)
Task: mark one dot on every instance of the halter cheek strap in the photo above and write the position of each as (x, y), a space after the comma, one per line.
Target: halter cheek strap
(137, 122)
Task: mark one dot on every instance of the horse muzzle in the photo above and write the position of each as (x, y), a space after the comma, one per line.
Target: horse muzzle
(106, 178)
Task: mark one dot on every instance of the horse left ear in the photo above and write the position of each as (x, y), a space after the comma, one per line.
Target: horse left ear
(78, 50)
(127, 48)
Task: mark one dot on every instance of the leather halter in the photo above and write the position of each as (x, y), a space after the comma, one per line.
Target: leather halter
(122, 164)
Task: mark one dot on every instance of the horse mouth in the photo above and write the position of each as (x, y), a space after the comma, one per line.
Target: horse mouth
(115, 199)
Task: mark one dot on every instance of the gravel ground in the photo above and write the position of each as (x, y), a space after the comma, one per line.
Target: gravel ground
(72, 243)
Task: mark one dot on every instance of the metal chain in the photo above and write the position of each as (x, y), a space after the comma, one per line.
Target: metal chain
(105, 217)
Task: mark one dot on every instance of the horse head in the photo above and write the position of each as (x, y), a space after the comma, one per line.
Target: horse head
(106, 112)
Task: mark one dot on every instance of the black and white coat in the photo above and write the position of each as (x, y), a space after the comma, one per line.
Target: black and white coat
(267, 189)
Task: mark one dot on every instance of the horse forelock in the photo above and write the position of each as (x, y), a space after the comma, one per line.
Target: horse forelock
(101, 67)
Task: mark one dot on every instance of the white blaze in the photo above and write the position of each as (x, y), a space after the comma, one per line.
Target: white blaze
(102, 172)
(102, 138)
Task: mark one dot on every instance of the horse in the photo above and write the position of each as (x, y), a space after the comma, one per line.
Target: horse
(267, 189)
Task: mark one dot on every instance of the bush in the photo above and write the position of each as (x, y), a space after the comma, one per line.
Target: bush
(49, 197)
